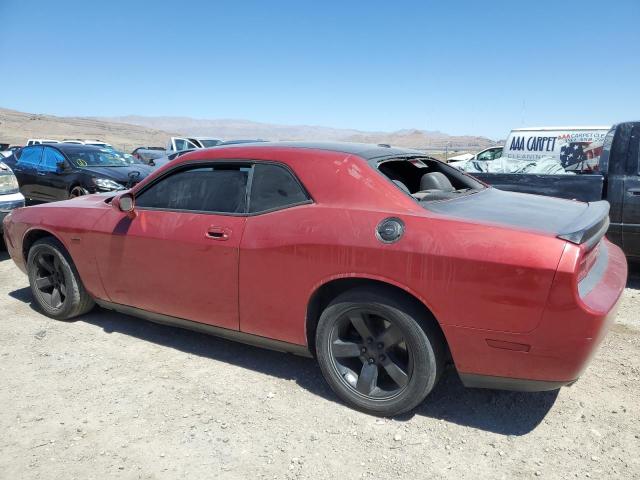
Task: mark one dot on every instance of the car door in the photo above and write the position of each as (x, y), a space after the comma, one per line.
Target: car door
(179, 254)
(51, 180)
(631, 202)
(25, 170)
(272, 254)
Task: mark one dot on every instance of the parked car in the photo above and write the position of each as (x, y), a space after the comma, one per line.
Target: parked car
(162, 161)
(147, 154)
(41, 141)
(488, 154)
(94, 143)
(595, 165)
(177, 144)
(10, 196)
(355, 254)
(64, 170)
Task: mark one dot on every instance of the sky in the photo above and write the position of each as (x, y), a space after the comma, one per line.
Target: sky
(460, 67)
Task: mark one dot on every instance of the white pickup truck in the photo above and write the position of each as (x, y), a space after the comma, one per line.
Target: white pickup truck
(178, 144)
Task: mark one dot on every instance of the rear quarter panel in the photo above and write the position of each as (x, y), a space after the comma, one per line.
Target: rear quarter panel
(468, 274)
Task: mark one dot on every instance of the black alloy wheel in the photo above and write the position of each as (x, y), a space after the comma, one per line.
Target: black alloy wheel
(55, 282)
(49, 279)
(370, 354)
(379, 350)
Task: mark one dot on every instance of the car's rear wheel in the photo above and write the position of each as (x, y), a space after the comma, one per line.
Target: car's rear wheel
(55, 283)
(78, 191)
(378, 351)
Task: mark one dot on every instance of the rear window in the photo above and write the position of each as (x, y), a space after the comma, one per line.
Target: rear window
(274, 187)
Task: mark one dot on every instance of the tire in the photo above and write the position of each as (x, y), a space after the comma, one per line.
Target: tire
(407, 370)
(78, 191)
(50, 268)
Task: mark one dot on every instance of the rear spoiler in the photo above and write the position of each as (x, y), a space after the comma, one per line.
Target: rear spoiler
(590, 227)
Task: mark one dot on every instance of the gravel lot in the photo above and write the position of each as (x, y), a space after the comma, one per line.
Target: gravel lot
(113, 396)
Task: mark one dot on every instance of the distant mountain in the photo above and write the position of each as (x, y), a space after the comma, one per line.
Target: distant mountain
(132, 131)
(228, 129)
(16, 127)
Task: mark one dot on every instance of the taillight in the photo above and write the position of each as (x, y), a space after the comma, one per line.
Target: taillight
(587, 261)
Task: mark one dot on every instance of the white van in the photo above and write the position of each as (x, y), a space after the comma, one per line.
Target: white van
(547, 150)
(566, 144)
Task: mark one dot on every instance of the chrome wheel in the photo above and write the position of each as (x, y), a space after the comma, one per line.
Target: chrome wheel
(77, 192)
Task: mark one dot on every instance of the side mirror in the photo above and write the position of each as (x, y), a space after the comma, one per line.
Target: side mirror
(60, 167)
(124, 203)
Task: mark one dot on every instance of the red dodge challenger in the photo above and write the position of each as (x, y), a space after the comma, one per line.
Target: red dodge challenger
(382, 263)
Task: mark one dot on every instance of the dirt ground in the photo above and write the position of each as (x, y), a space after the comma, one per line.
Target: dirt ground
(110, 396)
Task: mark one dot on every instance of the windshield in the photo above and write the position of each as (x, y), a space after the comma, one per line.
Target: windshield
(97, 158)
(209, 143)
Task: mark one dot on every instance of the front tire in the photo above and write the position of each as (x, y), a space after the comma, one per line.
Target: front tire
(379, 352)
(55, 283)
(78, 191)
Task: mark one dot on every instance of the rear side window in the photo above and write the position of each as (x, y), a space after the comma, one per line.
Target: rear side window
(274, 187)
(30, 156)
(219, 189)
(51, 159)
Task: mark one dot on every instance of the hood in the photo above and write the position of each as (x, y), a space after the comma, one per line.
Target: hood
(119, 174)
(577, 222)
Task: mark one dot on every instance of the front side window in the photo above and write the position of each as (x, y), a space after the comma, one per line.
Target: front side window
(51, 159)
(210, 189)
(274, 187)
(30, 156)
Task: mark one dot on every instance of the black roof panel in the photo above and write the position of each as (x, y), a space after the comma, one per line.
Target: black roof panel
(367, 151)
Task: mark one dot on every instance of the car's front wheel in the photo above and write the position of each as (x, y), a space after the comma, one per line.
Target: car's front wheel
(378, 351)
(78, 191)
(55, 283)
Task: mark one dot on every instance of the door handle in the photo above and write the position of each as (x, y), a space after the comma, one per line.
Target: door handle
(42, 174)
(633, 191)
(218, 233)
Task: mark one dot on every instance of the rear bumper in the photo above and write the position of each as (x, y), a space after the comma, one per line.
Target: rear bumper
(559, 349)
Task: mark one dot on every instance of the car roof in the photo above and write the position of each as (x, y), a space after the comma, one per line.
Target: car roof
(370, 152)
(71, 147)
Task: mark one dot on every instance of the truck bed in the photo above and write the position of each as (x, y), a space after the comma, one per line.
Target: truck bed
(586, 188)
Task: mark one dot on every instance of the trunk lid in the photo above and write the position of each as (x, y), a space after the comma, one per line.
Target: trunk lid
(573, 221)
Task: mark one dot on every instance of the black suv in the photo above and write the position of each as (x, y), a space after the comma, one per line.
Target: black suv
(64, 170)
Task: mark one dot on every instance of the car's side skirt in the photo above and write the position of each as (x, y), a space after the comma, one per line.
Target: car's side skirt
(235, 335)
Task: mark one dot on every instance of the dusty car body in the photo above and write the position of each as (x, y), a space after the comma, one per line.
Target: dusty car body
(355, 254)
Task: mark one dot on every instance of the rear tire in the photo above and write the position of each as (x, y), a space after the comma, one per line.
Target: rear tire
(55, 283)
(380, 352)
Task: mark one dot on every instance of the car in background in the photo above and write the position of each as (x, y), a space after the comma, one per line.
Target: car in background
(41, 141)
(240, 141)
(487, 154)
(354, 254)
(48, 173)
(162, 161)
(95, 143)
(177, 144)
(10, 196)
(147, 154)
